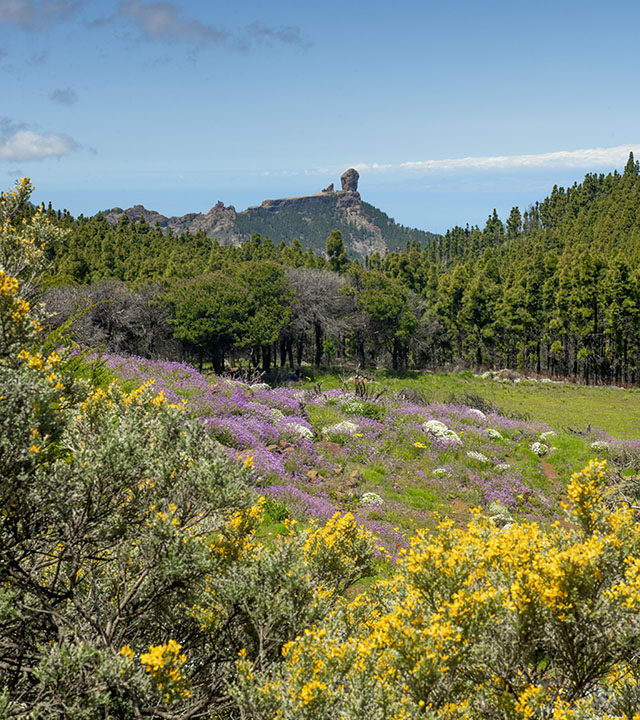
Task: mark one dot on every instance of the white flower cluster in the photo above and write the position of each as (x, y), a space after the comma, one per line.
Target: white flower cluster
(440, 430)
(500, 514)
(277, 415)
(342, 428)
(476, 412)
(477, 456)
(495, 434)
(370, 499)
(441, 471)
(503, 466)
(600, 445)
(353, 407)
(298, 429)
(546, 435)
(539, 449)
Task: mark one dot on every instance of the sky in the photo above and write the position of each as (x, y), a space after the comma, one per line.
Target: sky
(447, 109)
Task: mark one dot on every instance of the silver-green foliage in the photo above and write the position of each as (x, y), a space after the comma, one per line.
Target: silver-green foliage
(131, 575)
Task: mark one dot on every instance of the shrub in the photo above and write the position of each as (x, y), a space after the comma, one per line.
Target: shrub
(131, 575)
(487, 622)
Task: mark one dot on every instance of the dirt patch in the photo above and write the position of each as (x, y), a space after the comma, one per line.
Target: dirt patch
(549, 470)
(332, 448)
(460, 512)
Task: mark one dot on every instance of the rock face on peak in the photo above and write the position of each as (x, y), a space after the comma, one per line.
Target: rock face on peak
(349, 180)
(137, 212)
(310, 218)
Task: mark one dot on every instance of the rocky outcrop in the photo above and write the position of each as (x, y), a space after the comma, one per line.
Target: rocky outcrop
(137, 212)
(219, 220)
(310, 218)
(349, 180)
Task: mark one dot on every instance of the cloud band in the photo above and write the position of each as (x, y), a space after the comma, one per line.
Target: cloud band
(586, 158)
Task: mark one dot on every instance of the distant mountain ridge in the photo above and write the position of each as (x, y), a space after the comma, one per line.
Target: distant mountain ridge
(310, 218)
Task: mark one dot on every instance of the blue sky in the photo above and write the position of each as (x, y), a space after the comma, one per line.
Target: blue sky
(447, 109)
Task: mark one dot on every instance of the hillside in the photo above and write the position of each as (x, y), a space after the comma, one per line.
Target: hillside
(310, 218)
(181, 545)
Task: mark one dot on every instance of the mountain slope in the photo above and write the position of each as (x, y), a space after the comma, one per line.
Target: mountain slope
(310, 218)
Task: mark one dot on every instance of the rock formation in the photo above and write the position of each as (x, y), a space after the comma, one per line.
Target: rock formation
(349, 180)
(310, 218)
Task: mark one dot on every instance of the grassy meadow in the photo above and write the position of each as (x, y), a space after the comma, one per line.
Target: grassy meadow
(404, 449)
(560, 405)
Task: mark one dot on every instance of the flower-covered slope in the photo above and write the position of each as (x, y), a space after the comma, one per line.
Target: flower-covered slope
(392, 463)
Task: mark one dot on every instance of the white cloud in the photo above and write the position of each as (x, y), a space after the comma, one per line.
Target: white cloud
(587, 158)
(30, 15)
(24, 144)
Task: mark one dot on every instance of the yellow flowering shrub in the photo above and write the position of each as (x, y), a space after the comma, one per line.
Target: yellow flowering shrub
(338, 550)
(164, 664)
(134, 581)
(132, 572)
(483, 622)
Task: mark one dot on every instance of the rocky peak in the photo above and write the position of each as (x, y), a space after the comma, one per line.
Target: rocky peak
(349, 180)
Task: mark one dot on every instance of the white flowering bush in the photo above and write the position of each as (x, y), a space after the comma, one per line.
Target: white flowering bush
(371, 499)
(366, 408)
(353, 407)
(299, 429)
(600, 445)
(546, 435)
(346, 426)
(338, 431)
(440, 471)
(440, 430)
(495, 434)
(539, 449)
(476, 412)
(477, 456)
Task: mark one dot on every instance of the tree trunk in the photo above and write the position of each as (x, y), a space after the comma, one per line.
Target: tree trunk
(317, 327)
(299, 350)
(290, 353)
(266, 358)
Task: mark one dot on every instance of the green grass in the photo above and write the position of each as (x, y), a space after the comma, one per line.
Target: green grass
(374, 474)
(323, 416)
(422, 499)
(614, 410)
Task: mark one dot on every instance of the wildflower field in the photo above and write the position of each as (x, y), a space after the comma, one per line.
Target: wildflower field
(175, 546)
(391, 462)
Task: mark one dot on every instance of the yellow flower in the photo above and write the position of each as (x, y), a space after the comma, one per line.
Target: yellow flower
(127, 652)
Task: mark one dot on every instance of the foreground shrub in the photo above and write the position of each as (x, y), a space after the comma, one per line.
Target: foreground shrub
(517, 622)
(131, 574)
